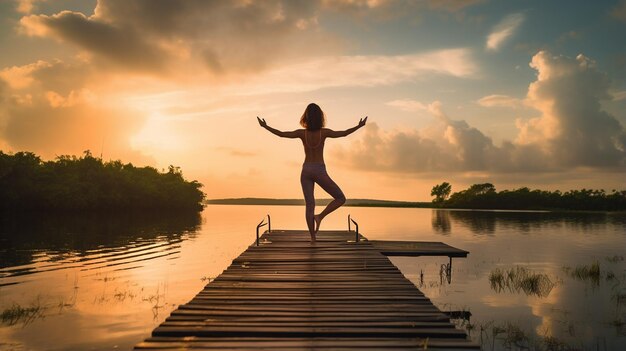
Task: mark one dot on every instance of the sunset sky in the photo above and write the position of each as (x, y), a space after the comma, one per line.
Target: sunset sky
(516, 93)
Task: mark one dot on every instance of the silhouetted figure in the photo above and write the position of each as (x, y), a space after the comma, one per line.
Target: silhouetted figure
(313, 137)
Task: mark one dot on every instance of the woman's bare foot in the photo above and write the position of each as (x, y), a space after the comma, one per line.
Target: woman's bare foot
(318, 221)
(313, 238)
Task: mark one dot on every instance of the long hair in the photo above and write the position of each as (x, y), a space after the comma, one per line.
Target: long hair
(313, 117)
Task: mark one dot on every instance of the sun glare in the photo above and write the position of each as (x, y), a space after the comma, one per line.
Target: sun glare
(157, 137)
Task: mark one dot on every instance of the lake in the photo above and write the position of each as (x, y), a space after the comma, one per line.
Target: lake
(105, 281)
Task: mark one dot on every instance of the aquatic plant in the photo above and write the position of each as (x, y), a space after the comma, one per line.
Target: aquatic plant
(552, 343)
(615, 258)
(518, 279)
(588, 273)
(510, 336)
(610, 276)
(514, 336)
(17, 313)
(618, 323)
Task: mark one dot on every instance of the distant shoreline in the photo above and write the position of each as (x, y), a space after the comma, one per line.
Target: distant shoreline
(319, 202)
(251, 201)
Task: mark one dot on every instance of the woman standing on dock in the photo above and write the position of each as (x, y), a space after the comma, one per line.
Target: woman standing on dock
(313, 137)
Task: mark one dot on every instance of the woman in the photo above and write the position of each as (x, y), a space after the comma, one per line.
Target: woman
(313, 137)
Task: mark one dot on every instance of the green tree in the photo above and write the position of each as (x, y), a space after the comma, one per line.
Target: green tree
(87, 183)
(481, 189)
(441, 192)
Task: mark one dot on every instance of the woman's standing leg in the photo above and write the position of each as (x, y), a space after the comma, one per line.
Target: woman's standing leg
(324, 180)
(309, 199)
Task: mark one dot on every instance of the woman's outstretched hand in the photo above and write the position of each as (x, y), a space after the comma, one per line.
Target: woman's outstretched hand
(362, 122)
(262, 122)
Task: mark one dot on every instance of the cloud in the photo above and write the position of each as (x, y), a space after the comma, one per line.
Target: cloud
(619, 95)
(619, 11)
(56, 75)
(373, 70)
(368, 11)
(75, 97)
(571, 132)
(18, 77)
(227, 39)
(124, 47)
(26, 6)
(51, 109)
(499, 101)
(572, 126)
(386, 10)
(352, 5)
(158, 37)
(503, 31)
(236, 151)
(408, 105)
(452, 5)
(445, 146)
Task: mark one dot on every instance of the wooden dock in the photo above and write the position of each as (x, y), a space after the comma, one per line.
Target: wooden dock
(416, 248)
(288, 294)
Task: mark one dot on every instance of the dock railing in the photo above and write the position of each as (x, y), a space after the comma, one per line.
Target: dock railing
(350, 219)
(261, 224)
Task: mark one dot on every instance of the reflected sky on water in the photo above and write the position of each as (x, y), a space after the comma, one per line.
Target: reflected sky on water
(116, 277)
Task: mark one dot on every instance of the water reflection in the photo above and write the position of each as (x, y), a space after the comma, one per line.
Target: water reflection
(33, 243)
(124, 274)
(488, 222)
(441, 221)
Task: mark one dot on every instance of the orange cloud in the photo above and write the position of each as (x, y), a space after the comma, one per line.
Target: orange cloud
(121, 46)
(50, 108)
(497, 100)
(221, 37)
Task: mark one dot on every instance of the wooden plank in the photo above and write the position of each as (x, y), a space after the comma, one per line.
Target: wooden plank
(312, 318)
(348, 343)
(289, 294)
(308, 331)
(416, 248)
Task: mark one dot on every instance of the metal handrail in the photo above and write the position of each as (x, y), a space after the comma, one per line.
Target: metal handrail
(261, 224)
(350, 219)
(349, 229)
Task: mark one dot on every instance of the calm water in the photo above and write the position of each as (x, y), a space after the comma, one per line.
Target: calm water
(104, 282)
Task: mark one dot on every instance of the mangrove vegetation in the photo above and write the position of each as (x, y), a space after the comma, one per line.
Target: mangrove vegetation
(87, 183)
(485, 196)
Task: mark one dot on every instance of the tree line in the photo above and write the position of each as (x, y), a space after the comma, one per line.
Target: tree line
(87, 183)
(485, 196)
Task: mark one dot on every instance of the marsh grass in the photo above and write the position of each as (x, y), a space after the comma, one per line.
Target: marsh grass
(614, 259)
(460, 316)
(594, 274)
(618, 323)
(553, 343)
(510, 336)
(588, 273)
(518, 279)
(16, 314)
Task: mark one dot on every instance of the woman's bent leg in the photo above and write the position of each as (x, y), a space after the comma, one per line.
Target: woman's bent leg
(333, 189)
(309, 199)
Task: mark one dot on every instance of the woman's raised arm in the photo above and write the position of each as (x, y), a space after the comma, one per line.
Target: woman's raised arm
(342, 133)
(280, 133)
